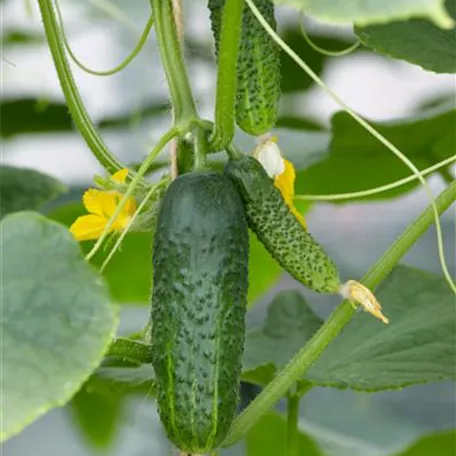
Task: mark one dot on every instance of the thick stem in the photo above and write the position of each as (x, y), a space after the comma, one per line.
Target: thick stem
(173, 63)
(292, 425)
(76, 107)
(302, 361)
(230, 38)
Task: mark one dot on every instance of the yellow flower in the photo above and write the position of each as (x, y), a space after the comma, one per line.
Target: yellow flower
(101, 205)
(281, 170)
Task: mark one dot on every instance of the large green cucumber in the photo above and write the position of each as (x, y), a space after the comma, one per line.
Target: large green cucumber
(289, 243)
(199, 300)
(258, 81)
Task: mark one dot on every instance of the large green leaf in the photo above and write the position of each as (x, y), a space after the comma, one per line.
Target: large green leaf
(57, 319)
(357, 161)
(416, 41)
(263, 270)
(289, 324)
(26, 189)
(418, 346)
(269, 438)
(293, 78)
(438, 444)
(98, 407)
(129, 273)
(96, 415)
(33, 115)
(364, 12)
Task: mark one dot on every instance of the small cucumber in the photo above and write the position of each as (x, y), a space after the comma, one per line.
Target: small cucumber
(289, 243)
(199, 299)
(258, 69)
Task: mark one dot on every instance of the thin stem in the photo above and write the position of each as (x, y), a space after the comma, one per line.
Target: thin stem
(76, 107)
(292, 425)
(368, 127)
(173, 63)
(130, 223)
(230, 38)
(383, 188)
(139, 45)
(128, 193)
(302, 361)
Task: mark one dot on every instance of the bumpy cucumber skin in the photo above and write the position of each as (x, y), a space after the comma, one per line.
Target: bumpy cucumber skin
(199, 300)
(278, 229)
(258, 85)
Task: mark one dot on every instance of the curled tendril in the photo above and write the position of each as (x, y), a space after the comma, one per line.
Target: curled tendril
(116, 69)
(319, 49)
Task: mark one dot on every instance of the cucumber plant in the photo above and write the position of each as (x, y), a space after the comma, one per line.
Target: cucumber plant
(193, 225)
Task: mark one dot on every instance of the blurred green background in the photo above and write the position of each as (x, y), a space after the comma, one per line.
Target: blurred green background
(132, 111)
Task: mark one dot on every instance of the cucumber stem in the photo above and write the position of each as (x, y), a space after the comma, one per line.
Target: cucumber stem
(173, 63)
(292, 424)
(304, 359)
(81, 118)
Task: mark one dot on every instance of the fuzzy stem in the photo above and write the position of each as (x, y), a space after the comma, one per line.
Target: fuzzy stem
(173, 63)
(81, 118)
(302, 361)
(292, 425)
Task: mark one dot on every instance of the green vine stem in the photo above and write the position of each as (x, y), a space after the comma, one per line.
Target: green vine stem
(302, 361)
(292, 425)
(76, 107)
(230, 38)
(173, 63)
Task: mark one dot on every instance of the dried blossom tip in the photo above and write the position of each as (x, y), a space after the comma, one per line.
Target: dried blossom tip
(359, 294)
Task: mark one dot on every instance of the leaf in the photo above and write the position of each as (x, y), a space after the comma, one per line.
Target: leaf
(57, 319)
(418, 346)
(357, 161)
(289, 324)
(33, 115)
(263, 270)
(365, 12)
(268, 437)
(293, 78)
(97, 416)
(26, 189)
(99, 404)
(298, 123)
(129, 273)
(438, 444)
(416, 41)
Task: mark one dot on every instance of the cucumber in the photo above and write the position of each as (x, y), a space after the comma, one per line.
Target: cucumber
(288, 242)
(258, 69)
(199, 300)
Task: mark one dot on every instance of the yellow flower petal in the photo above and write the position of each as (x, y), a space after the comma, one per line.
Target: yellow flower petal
(285, 183)
(120, 176)
(88, 227)
(100, 202)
